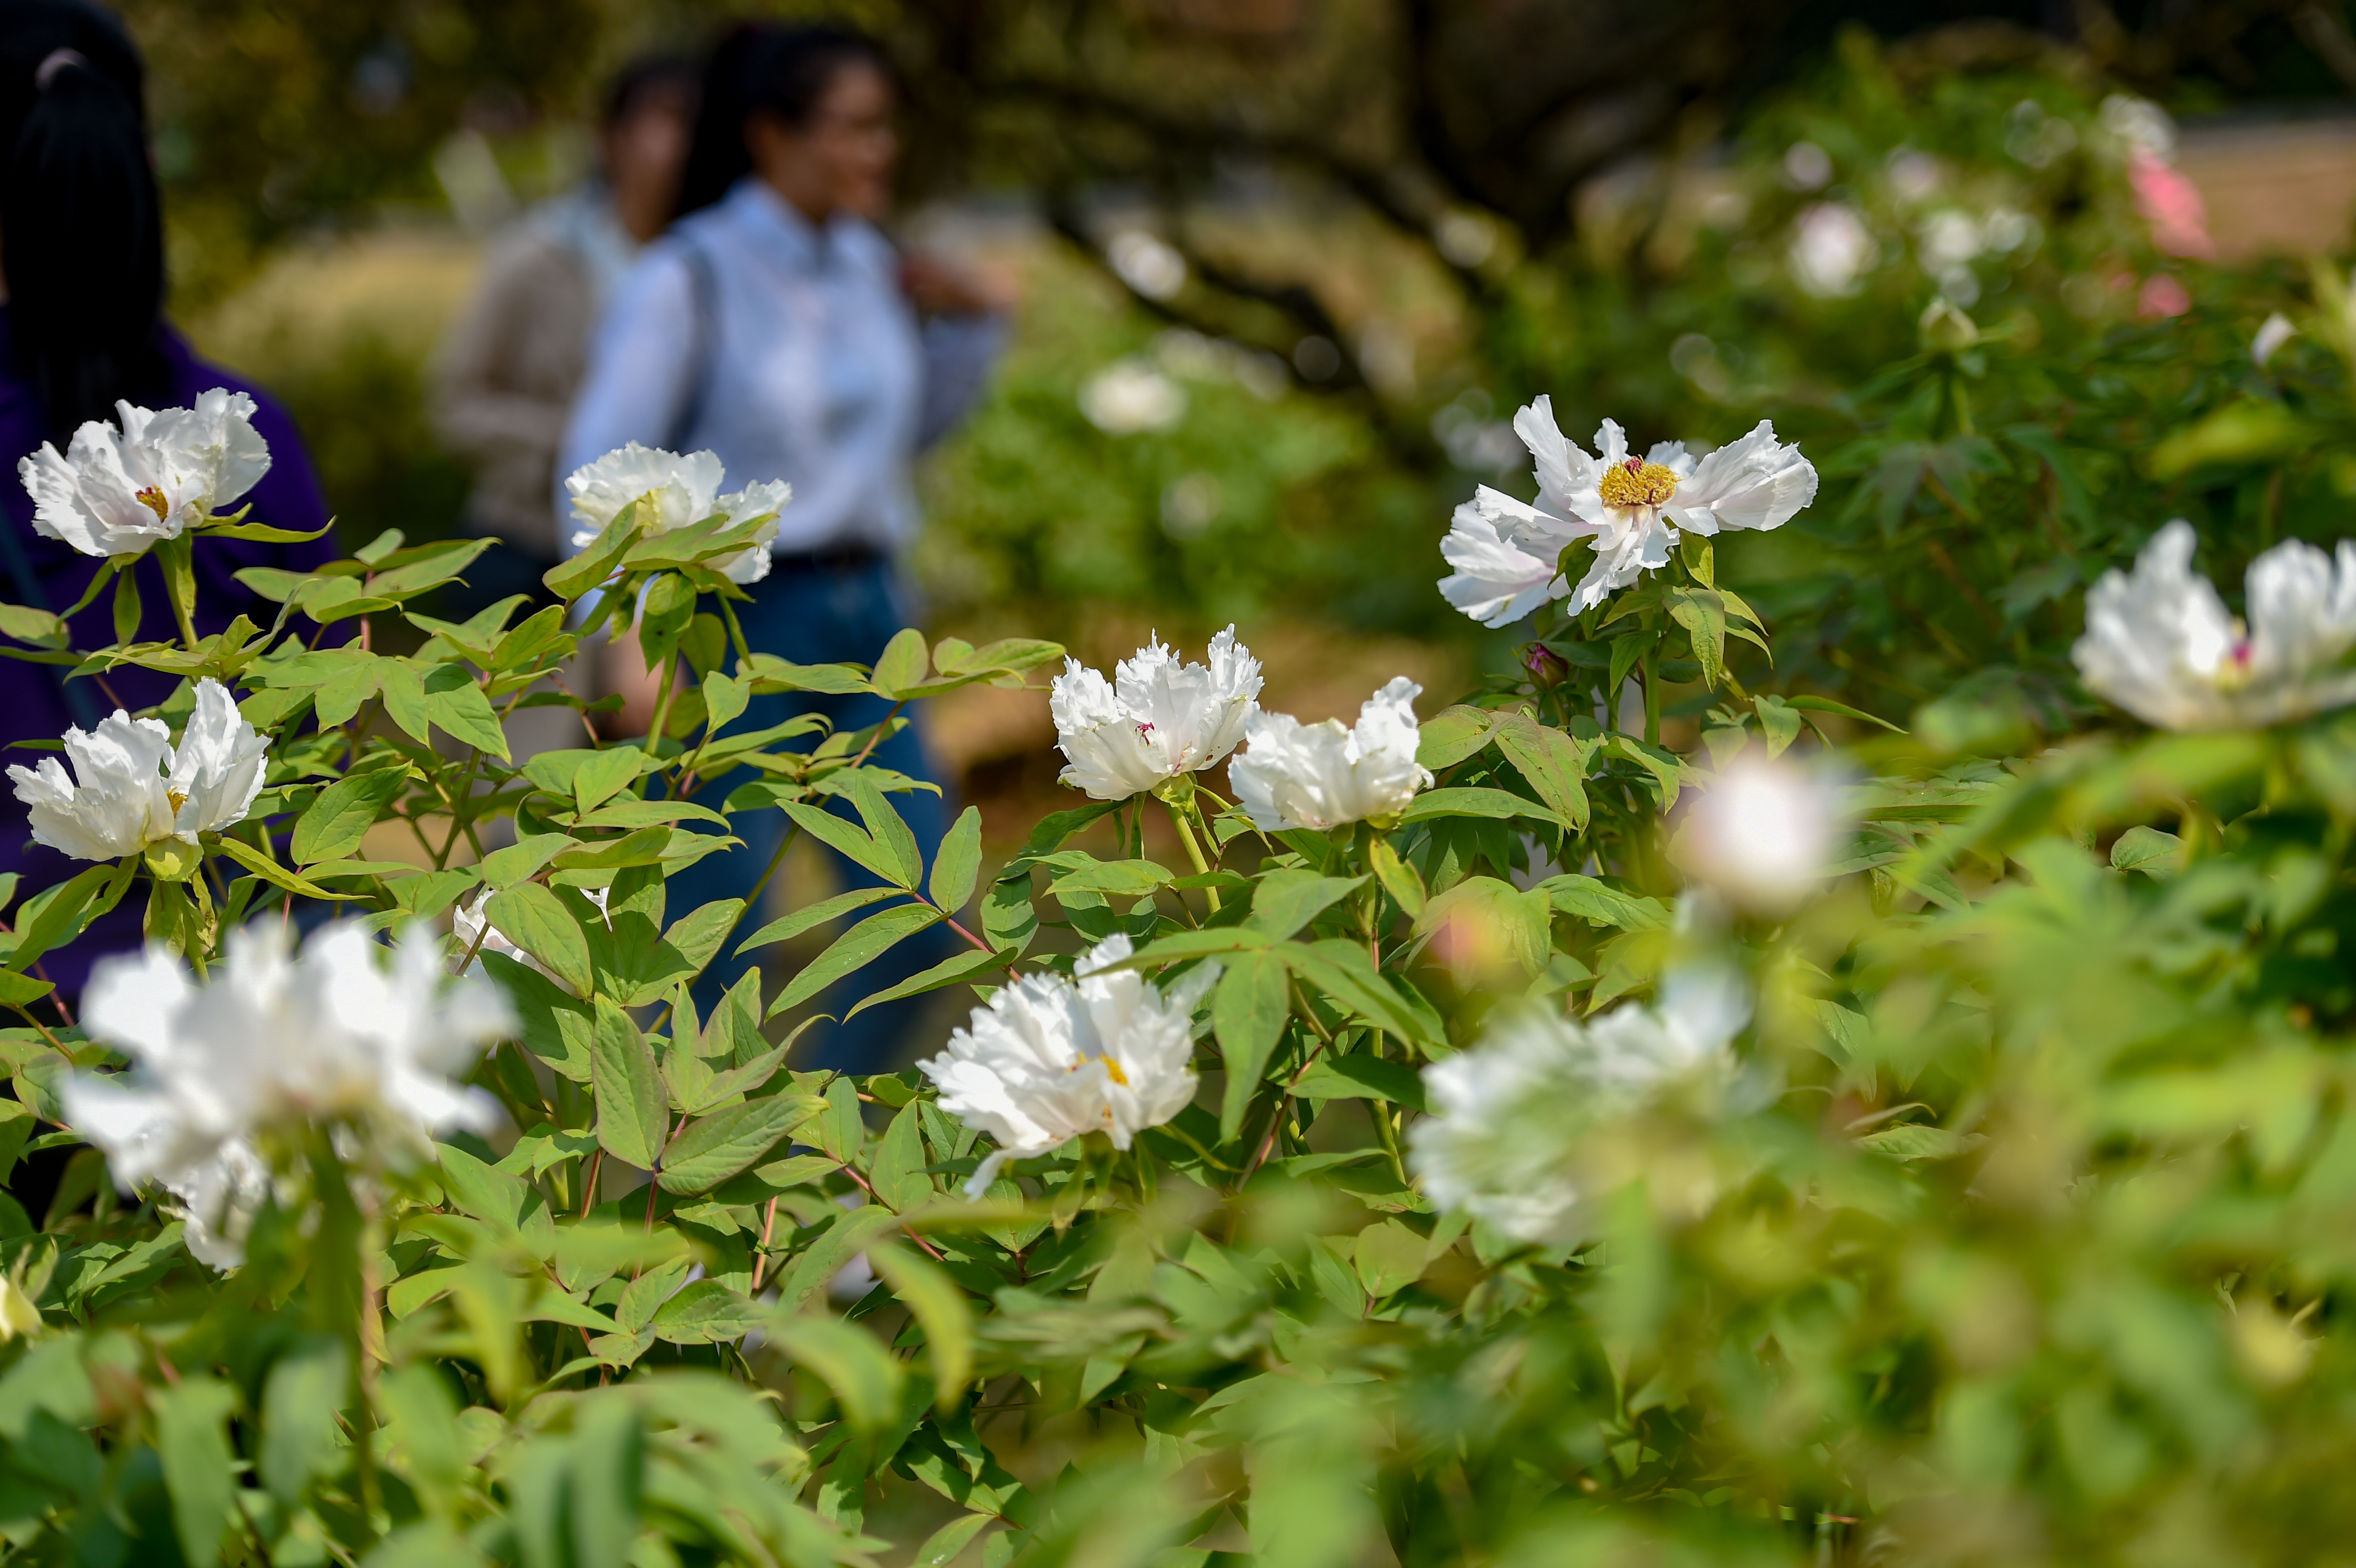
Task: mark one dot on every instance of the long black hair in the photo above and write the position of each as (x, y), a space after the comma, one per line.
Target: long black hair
(81, 231)
(762, 67)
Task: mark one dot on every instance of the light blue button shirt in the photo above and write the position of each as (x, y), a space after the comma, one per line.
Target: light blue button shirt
(814, 369)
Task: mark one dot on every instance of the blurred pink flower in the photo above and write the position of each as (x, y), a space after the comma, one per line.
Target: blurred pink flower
(2163, 296)
(2172, 204)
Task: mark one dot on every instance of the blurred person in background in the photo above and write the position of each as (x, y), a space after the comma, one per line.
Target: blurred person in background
(81, 325)
(776, 326)
(509, 367)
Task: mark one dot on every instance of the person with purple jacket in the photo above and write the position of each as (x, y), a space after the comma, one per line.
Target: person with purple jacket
(81, 328)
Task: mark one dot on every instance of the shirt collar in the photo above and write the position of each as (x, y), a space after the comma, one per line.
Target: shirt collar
(781, 227)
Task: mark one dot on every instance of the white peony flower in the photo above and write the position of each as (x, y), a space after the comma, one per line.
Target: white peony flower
(685, 490)
(1049, 1059)
(1761, 831)
(1502, 1140)
(1156, 719)
(136, 789)
(1831, 249)
(1129, 396)
(768, 498)
(2162, 644)
(468, 923)
(1322, 775)
(119, 492)
(1629, 508)
(270, 1041)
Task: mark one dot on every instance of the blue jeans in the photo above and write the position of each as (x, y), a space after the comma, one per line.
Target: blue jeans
(807, 613)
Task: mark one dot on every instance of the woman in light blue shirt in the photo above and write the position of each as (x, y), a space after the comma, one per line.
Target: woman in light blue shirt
(775, 326)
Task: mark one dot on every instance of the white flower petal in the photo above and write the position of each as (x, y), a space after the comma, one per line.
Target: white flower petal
(1321, 775)
(1157, 719)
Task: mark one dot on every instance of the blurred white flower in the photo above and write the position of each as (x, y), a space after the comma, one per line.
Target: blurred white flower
(477, 935)
(1156, 719)
(2272, 334)
(1831, 247)
(1630, 508)
(131, 788)
(270, 1041)
(1049, 1059)
(1807, 167)
(1321, 775)
(1151, 266)
(1129, 396)
(1503, 1140)
(1761, 832)
(2162, 644)
(1950, 238)
(118, 492)
(2140, 123)
(684, 490)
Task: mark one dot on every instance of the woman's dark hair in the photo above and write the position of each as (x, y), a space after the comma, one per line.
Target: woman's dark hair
(645, 80)
(763, 68)
(80, 224)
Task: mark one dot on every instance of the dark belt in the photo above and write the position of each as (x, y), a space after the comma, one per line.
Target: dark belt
(832, 558)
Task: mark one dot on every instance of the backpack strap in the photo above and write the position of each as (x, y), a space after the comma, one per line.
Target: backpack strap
(703, 343)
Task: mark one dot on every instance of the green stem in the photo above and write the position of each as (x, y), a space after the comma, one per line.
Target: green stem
(1651, 665)
(662, 703)
(1194, 851)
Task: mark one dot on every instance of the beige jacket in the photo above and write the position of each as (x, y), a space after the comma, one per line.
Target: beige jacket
(511, 366)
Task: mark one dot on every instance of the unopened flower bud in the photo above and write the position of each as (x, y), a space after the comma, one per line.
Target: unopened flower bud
(1945, 329)
(1547, 668)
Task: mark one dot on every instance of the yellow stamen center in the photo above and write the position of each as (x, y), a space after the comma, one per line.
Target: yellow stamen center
(1637, 483)
(178, 797)
(1112, 1071)
(155, 501)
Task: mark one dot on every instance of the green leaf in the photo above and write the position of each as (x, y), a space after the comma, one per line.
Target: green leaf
(710, 1150)
(709, 1312)
(1599, 905)
(785, 927)
(429, 566)
(426, 1445)
(456, 704)
(1702, 613)
(15, 989)
(57, 914)
(948, 972)
(1362, 1077)
(864, 1378)
(340, 817)
(307, 1389)
(532, 917)
(1399, 879)
(1286, 900)
(850, 841)
(127, 609)
(1452, 735)
(956, 865)
(38, 627)
(1106, 878)
(944, 1544)
(1826, 705)
(608, 1465)
(1248, 1015)
(1496, 804)
(867, 940)
(199, 1467)
(1553, 763)
(926, 1289)
(2148, 850)
(633, 1110)
(897, 1171)
(1779, 721)
(601, 775)
(901, 663)
(1485, 922)
(892, 834)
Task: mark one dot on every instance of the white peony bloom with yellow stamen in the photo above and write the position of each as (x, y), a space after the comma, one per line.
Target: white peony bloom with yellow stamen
(1050, 1059)
(131, 788)
(118, 490)
(1629, 510)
